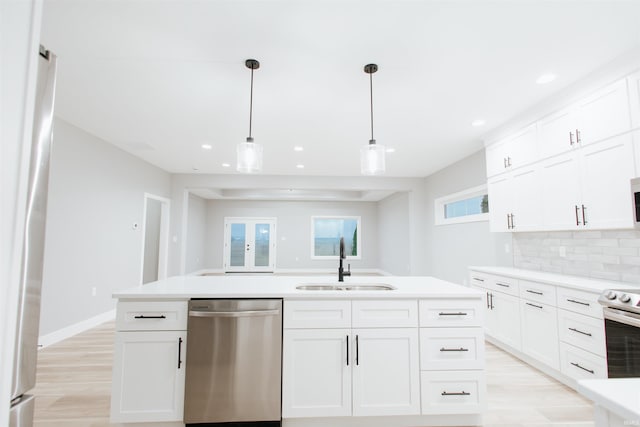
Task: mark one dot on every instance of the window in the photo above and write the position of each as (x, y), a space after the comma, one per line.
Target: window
(326, 232)
(466, 206)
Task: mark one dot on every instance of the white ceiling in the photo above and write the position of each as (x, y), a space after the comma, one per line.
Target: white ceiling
(160, 78)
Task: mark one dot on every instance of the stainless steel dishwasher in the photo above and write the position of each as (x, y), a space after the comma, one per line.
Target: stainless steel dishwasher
(234, 361)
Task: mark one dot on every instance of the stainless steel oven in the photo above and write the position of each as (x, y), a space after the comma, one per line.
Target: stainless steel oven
(622, 329)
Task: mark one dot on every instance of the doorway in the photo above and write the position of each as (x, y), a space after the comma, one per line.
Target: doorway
(249, 245)
(155, 238)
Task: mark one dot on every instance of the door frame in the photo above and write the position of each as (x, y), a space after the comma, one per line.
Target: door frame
(226, 254)
(163, 252)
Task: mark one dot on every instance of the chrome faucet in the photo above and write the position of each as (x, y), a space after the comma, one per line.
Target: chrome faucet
(341, 272)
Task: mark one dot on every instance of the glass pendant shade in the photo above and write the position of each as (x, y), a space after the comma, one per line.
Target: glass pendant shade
(249, 156)
(372, 159)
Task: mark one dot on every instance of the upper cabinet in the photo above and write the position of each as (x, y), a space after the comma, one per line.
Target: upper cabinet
(512, 152)
(570, 169)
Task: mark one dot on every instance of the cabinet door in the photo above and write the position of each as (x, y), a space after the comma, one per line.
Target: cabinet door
(560, 181)
(496, 157)
(316, 376)
(527, 203)
(504, 319)
(522, 148)
(148, 376)
(633, 83)
(557, 132)
(386, 372)
(607, 168)
(540, 332)
(604, 114)
(500, 203)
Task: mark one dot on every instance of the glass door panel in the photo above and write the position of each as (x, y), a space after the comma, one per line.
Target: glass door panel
(262, 243)
(237, 244)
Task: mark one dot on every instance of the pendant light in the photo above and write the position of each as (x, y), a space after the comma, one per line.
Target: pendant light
(372, 155)
(250, 153)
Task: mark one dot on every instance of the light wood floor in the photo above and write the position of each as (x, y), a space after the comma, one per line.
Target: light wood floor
(74, 386)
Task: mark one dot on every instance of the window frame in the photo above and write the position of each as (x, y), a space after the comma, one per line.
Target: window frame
(335, 257)
(469, 193)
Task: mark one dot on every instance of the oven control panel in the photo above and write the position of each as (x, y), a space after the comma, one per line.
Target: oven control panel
(627, 299)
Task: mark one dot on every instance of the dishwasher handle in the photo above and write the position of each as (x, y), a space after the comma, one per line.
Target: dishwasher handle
(245, 313)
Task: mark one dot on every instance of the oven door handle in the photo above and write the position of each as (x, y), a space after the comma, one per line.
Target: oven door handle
(621, 316)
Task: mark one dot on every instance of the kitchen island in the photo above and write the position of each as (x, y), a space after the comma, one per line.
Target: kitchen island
(413, 355)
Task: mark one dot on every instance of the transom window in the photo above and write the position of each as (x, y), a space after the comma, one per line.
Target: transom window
(465, 206)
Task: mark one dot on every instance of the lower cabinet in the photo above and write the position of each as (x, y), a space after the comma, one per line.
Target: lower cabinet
(502, 317)
(453, 392)
(540, 332)
(148, 376)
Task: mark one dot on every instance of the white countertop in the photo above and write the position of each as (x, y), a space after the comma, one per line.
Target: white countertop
(246, 286)
(576, 282)
(618, 395)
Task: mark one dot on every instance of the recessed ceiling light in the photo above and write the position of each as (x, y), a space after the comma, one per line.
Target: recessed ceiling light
(390, 150)
(226, 165)
(195, 168)
(298, 148)
(300, 166)
(546, 78)
(478, 122)
(206, 146)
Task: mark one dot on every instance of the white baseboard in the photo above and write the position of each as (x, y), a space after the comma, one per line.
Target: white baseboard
(76, 328)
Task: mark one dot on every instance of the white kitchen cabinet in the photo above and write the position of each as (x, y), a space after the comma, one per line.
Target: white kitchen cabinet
(148, 376)
(316, 379)
(515, 200)
(540, 332)
(580, 364)
(557, 132)
(512, 152)
(453, 392)
(386, 372)
(633, 83)
(502, 315)
(560, 181)
(500, 190)
(451, 349)
(604, 114)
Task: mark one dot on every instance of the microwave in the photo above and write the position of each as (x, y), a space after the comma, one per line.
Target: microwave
(635, 201)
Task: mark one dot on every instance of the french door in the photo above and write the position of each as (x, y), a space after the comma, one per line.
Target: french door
(249, 244)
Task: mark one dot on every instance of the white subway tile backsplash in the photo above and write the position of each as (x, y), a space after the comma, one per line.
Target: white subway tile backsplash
(608, 255)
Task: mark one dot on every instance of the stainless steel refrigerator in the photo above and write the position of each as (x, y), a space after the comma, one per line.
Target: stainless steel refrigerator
(26, 341)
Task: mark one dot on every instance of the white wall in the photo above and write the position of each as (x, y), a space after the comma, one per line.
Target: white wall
(394, 235)
(196, 234)
(152, 240)
(96, 194)
(19, 37)
(293, 230)
(452, 248)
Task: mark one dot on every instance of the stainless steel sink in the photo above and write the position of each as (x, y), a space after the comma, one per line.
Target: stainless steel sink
(345, 287)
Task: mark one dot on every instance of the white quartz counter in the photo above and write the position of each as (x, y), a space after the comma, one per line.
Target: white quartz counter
(245, 286)
(576, 282)
(620, 396)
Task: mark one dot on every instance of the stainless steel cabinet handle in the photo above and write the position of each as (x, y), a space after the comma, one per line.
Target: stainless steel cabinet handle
(462, 393)
(488, 304)
(491, 301)
(504, 285)
(347, 350)
(508, 221)
(580, 332)
(584, 218)
(509, 161)
(571, 138)
(577, 219)
(459, 313)
(534, 292)
(584, 369)
(142, 316)
(513, 224)
(578, 140)
(454, 349)
(179, 352)
(357, 352)
(504, 162)
(533, 305)
(478, 279)
(247, 313)
(578, 302)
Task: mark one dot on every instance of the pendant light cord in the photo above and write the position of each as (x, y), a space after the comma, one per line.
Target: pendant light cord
(371, 91)
(251, 104)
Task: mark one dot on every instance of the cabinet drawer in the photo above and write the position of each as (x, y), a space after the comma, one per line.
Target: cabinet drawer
(151, 316)
(579, 302)
(505, 285)
(452, 312)
(385, 314)
(479, 279)
(453, 392)
(541, 292)
(579, 364)
(582, 331)
(451, 348)
(317, 314)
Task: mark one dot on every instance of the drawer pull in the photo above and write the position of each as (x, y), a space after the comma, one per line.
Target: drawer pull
(578, 302)
(454, 349)
(580, 332)
(460, 313)
(583, 368)
(503, 285)
(536, 306)
(142, 316)
(478, 279)
(534, 292)
(462, 393)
